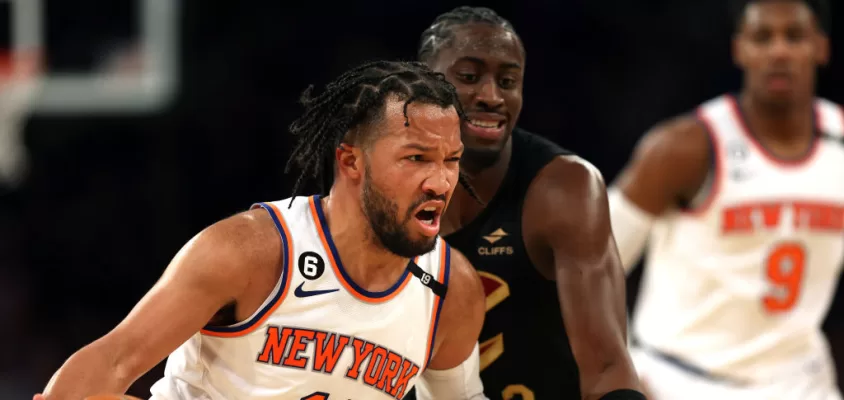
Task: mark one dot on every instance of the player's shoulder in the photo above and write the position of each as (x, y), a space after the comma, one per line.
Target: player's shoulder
(678, 136)
(246, 240)
(565, 180)
(830, 118)
(464, 283)
(245, 228)
(568, 196)
(829, 104)
(571, 170)
(554, 166)
(683, 142)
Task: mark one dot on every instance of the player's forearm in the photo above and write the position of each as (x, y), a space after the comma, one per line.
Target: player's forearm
(592, 301)
(91, 370)
(604, 366)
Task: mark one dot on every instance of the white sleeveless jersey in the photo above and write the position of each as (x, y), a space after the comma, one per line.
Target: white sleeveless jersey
(740, 286)
(319, 335)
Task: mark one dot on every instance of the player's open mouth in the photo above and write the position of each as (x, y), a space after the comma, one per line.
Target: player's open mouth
(428, 218)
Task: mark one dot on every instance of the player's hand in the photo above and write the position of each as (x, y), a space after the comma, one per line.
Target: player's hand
(39, 396)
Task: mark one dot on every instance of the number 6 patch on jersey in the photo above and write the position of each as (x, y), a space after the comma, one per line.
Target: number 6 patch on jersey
(311, 265)
(784, 269)
(316, 396)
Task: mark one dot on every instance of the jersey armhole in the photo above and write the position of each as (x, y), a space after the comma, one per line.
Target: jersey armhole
(444, 274)
(276, 297)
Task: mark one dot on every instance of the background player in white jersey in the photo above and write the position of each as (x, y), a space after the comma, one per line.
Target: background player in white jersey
(320, 298)
(744, 203)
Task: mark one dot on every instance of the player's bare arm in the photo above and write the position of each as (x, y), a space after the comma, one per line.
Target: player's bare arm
(669, 165)
(567, 231)
(453, 372)
(217, 267)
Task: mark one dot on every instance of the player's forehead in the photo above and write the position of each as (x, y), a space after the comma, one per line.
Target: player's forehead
(777, 15)
(425, 125)
(480, 40)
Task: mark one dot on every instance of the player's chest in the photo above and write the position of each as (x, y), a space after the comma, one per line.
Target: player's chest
(342, 347)
(358, 367)
(758, 202)
(758, 195)
(747, 173)
(793, 214)
(497, 251)
(494, 246)
(324, 315)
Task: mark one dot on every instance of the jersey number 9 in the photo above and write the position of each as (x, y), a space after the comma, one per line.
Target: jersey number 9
(784, 269)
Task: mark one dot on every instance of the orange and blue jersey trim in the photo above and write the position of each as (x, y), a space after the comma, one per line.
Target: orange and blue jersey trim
(445, 267)
(340, 271)
(246, 327)
(817, 125)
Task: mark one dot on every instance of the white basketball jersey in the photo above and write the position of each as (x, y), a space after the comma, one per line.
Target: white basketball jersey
(319, 336)
(740, 286)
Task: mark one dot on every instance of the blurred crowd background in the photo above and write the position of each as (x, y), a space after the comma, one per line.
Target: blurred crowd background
(113, 176)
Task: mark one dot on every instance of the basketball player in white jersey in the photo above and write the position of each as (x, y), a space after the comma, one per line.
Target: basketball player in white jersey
(347, 296)
(744, 204)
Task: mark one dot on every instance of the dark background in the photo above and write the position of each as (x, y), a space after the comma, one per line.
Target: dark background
(111, 198)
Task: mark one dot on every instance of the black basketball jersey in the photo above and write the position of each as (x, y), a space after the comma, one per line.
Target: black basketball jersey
(524, 348)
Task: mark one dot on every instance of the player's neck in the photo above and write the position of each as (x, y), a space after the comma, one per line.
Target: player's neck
(369, 265)
(486, 182)
(793, 123)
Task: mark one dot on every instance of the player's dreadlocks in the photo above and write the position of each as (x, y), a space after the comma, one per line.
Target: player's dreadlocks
(819, 7)
(441, 31)
(354, 99)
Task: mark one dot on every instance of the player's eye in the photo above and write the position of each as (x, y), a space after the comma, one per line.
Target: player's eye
(468, 78)
(762, 36)
(507, 83)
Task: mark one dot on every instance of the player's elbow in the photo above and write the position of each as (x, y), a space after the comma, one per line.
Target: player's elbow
(124, 363)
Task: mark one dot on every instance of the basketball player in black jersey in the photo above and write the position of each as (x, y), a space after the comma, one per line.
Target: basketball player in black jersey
(555, 325)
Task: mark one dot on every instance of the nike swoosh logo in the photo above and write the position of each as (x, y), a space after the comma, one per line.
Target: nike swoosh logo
(299, 292)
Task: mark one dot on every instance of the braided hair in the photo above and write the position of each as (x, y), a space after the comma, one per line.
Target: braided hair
(441, 31)
(355, 99)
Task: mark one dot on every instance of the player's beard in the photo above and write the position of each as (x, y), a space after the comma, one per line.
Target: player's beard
(392, 234)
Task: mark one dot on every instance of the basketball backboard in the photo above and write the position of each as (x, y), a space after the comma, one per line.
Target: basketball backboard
(98, 56)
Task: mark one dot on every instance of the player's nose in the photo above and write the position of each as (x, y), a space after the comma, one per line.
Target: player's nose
(439, 183)
(490, 95)
(781, 49)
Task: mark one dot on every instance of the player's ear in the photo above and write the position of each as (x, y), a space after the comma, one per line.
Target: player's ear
(349, 161)
(822, 49)
(735, 48)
